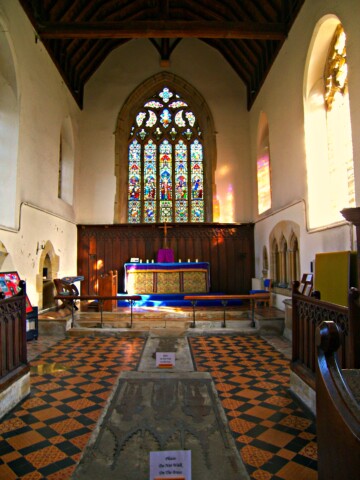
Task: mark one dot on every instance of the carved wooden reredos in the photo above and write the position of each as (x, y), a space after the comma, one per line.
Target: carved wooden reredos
(228, 248)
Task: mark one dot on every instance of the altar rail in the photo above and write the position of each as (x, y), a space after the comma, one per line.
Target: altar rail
(307, 315)
(253, 298)
(13, 350)
(70, 300)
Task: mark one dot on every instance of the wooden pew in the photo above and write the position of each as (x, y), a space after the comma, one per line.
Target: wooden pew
(337, 409)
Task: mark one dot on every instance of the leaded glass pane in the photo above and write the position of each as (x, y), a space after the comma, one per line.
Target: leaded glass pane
(181, 211)
(197, 211)
(140, 118)
(191, 118)
(165, 118)
(180, 122)
(166, 171)
(178, 104)
(134, 212)
(166, 94)
(149, 211)
(152, 119)
(134, 171)
(197, 176)
(153, 104)
(166, 211)
(181, 171)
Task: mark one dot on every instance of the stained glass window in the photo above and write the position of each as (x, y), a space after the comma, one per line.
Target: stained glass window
(165, 162)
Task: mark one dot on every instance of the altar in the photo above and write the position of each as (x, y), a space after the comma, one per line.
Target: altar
(148, 278)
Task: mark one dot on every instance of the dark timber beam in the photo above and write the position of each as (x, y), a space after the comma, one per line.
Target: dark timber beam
(163, 29)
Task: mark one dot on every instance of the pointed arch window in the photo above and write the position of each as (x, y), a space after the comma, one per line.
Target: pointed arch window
(328, 135)
(165, 162)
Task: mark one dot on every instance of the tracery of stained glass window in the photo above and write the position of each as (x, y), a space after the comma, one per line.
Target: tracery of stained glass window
(166, 162)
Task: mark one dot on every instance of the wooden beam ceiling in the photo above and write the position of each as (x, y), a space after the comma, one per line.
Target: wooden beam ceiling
(162, 29)
(80, 34)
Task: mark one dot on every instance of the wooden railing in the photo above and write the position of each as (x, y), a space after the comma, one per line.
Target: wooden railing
(13, 351)
(307, 314)
(70, 300)
(256, 297)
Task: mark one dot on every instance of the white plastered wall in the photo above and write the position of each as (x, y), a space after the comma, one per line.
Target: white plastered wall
(39, 215)
(124, 70)
(281, 98)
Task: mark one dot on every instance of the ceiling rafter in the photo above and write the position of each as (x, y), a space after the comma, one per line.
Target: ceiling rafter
(80, 34)
(162, 29)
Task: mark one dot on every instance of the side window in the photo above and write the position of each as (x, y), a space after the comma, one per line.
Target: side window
(329, 156)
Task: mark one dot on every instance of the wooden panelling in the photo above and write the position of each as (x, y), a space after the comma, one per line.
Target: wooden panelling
(228, 248)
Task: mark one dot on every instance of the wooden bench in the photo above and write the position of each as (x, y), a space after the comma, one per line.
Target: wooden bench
(224, 301)
(337, 409)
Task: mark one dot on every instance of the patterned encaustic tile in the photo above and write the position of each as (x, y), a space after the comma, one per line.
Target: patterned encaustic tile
(275, 437)
(45, 435)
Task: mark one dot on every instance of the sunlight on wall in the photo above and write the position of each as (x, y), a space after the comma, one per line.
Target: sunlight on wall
(216, 209)
(228, 214)
(329, 156)
(263, 179)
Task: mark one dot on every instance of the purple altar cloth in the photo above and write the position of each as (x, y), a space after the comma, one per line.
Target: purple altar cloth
(165, 255)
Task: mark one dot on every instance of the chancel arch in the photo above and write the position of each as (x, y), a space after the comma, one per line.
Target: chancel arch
(130, 115)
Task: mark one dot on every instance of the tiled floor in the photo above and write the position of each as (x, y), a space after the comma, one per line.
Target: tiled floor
(44, 436)
(72, 379)
(276, 439)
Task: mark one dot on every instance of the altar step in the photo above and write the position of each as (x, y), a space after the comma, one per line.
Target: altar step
(266, 321)
(162, 317)
(176, 300)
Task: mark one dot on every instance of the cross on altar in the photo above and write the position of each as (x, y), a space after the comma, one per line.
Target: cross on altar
(165, 227)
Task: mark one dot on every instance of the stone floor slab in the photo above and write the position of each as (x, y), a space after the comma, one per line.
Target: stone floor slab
(157, 411)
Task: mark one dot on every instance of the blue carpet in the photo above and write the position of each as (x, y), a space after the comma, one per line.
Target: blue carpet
(175, 300)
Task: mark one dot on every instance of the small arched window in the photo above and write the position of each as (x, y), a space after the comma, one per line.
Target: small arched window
(165, 162)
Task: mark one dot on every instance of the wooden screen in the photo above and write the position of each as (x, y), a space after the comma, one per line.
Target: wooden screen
(228, 248)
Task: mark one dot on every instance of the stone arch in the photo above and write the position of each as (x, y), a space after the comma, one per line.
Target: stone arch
(125, 120)
(45, 286)
(3, 254)
(285, 253)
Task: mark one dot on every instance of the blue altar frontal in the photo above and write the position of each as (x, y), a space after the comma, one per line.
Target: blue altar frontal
(189, 277)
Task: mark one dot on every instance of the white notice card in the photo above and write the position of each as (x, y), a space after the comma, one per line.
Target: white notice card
(170, 465)
(165, 359)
